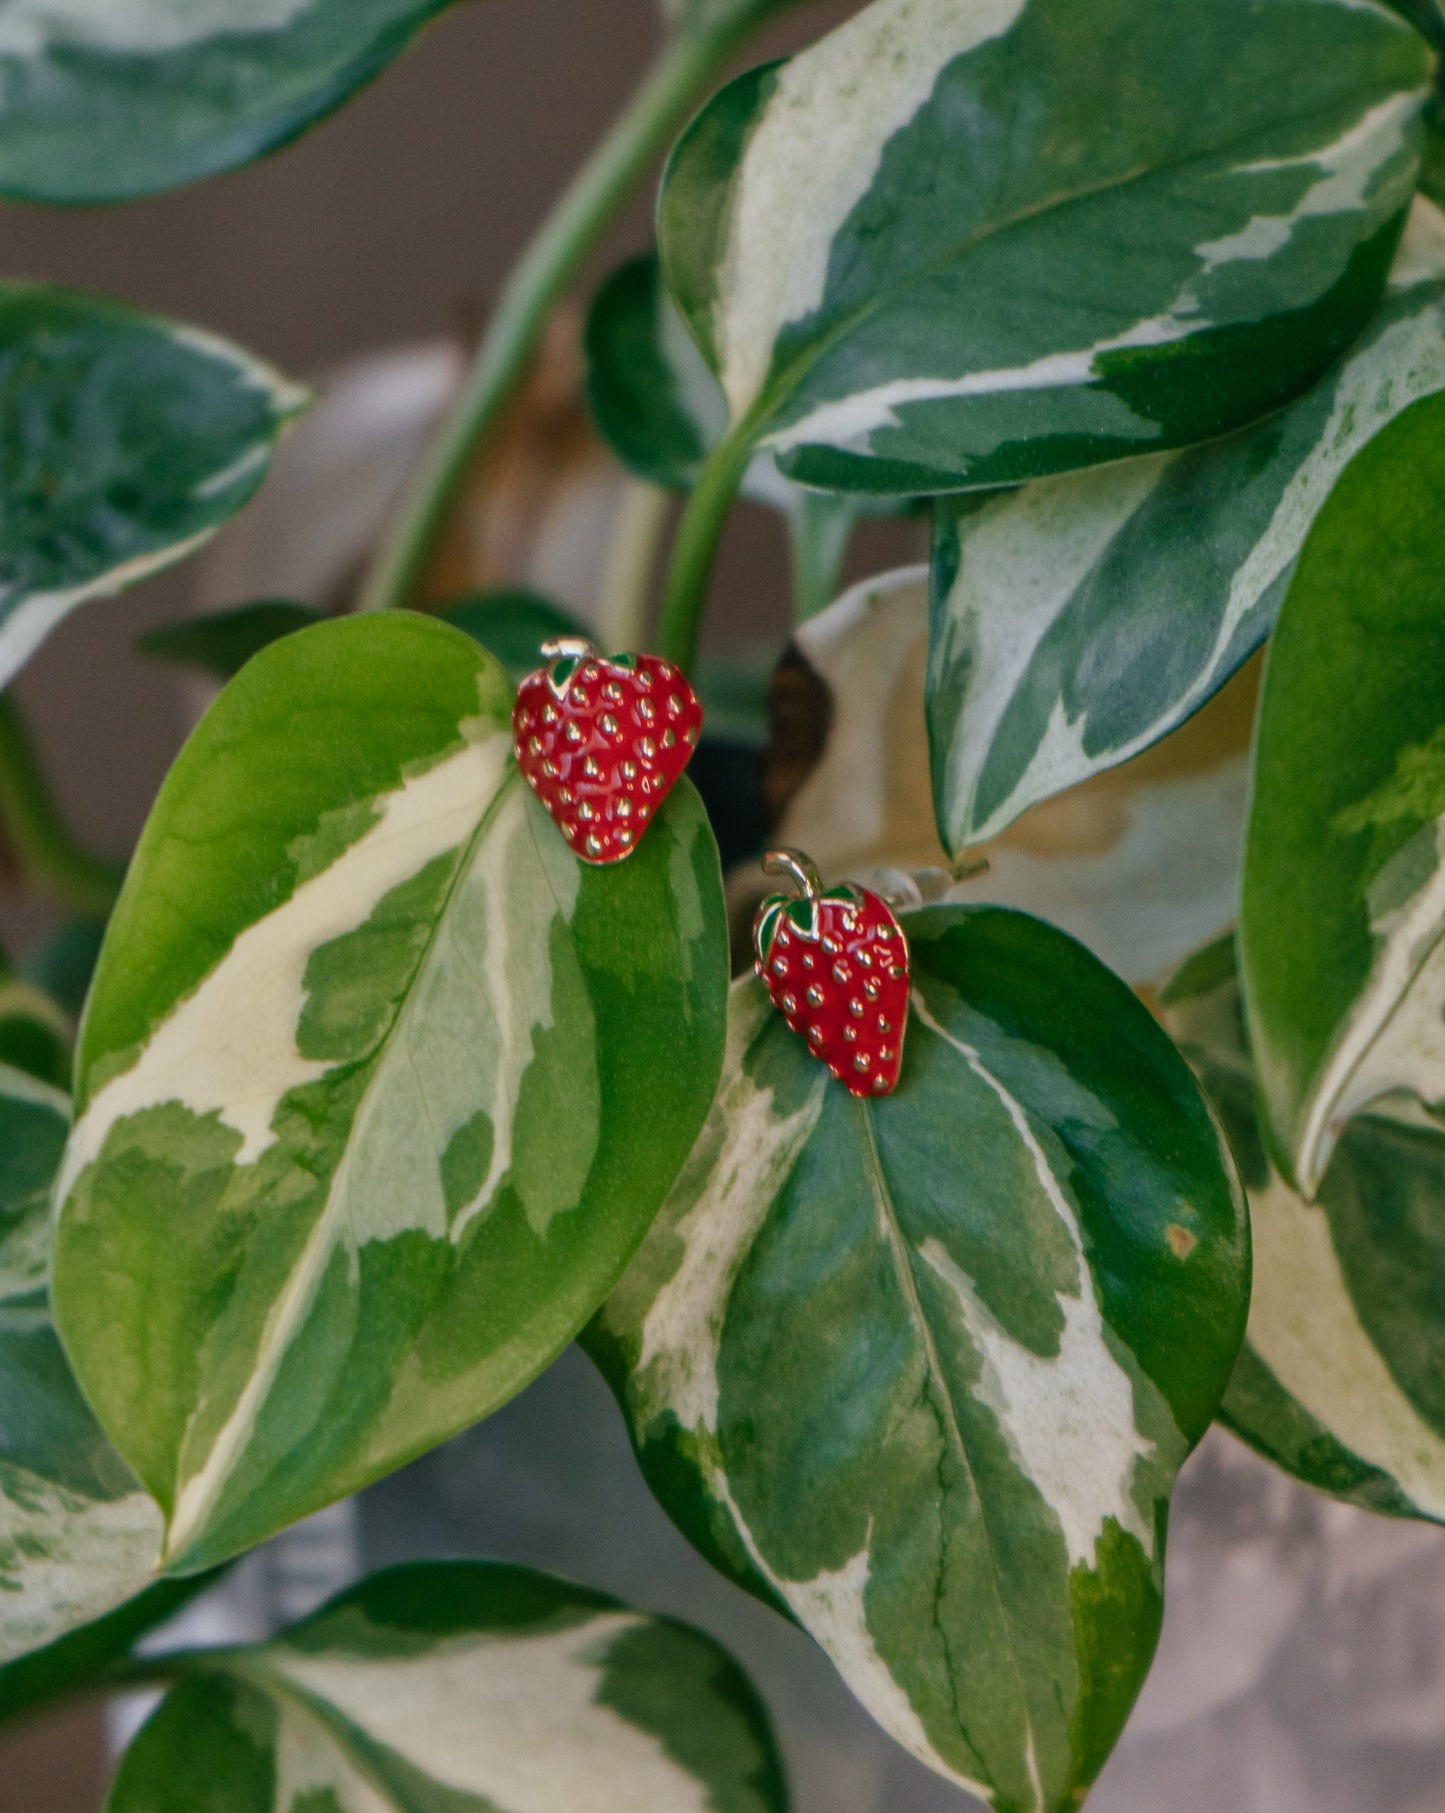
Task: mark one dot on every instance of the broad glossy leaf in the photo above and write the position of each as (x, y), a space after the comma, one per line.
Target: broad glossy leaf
(220, 645)
(468, 1687)
(1080, 619)
(106, 99)
(917, 264)
(126, 442)
(993, 1311)
(1343, 908)
(77, 1535)
(1342, 1378)
(378, 1087)
(1140, 864)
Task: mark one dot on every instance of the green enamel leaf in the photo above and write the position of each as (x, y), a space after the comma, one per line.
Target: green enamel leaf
(125, 443)
(77, 1535)
(918, 265)
(378, 1087)
(1342, 1379)
(462, 1687)
(220, 645)
(995, 1311)
(128, 97)
(1080, 619)
(1343, 905)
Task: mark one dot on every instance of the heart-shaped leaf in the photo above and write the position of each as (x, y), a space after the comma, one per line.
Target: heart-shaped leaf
(77, 1535)
(465, 1686)
(127, 97)
(126, 442)
(917, 264)
(1080, 619)
(378, 1086)
(1342, 922)
(994, 1312)
(1342, 1377)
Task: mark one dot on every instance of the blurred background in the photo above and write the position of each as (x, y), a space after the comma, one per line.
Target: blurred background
(1304, 1660)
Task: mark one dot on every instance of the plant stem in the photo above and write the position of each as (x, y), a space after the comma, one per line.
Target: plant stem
(697, 537)
(48, 855)
(667, 93)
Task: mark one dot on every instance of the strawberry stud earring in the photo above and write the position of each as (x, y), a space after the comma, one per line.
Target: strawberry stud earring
(836, 966)
(602, 741)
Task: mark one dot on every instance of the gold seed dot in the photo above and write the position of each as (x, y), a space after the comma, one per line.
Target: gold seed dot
(647, 749)
(850, 1033)
(790, 1004)
(669, 737)
(579, 697)
(646, 710)
(780, 966)
(607, 724)
(549, 714)
(880, 1084)
(624, 806)
(862, 1061)
(594, 845)
(856, 1009)
(612, 692)
(629, 771)
(816, 997)
(573, 732)
(624, 837)
(871, 988)
(842, 974)
(586, 812)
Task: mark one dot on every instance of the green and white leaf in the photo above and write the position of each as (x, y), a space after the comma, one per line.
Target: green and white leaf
(995, 1311)
(77, 1535)
(1141, 864)
(106, 99)
(125, 443)
(1342, 1378)
(1080, 619)
(378, 1087)
(466, 1686)
(917, 265)
(1342, 922)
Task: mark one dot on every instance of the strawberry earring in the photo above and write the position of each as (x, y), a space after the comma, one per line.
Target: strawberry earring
(836, 966)
(602, 742)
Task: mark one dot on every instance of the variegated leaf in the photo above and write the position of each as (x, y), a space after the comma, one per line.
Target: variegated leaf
(1342, 1378)
(1080, 619)
(1342, 921)
(77, 1535)
(378, 1086)
(106, 99)
(126, 442)
(917, 264)
(994, 1312)
(1141, 864)
(468, 1687)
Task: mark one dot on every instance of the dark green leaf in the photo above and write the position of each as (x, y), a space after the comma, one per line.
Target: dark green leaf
(222, 644)
(918, 264)
(992, 1312)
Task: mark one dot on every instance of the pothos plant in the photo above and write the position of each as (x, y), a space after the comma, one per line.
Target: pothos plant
(396, 1073)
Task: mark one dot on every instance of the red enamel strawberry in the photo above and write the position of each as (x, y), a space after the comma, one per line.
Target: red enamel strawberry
(602, 742)
(836, 966)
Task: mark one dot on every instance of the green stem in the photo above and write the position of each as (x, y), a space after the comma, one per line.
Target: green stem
(667, 94)
(49, 857)
(697, 537)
